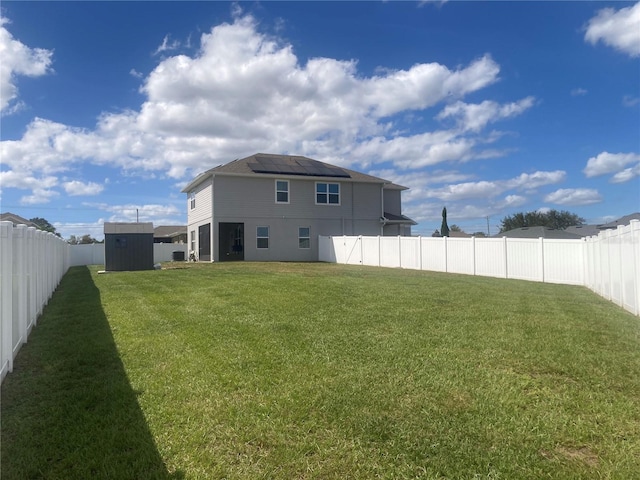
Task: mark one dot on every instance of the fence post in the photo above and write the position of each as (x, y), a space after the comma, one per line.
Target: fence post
(473, 253)
(19, 286)
(6, 297)
(506, 257)
(399, 251)
(420, 250)
(31, 275)
(635, 239)
(446, 255)
(541, 240)
(379, 251)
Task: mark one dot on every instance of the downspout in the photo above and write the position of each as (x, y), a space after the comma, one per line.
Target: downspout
(212, 241)
(382, 218)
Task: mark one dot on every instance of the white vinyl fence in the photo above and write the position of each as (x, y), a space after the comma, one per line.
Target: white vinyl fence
(608, 264)
(32, 263)
(93, 254)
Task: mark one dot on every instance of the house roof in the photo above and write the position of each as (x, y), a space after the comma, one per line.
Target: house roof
(261, 164)
(583, 230)
(626, 220)
(169, 231)
(16, 219)
(537, 232)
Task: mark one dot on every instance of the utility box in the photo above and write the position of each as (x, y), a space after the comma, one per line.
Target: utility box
(128, 246)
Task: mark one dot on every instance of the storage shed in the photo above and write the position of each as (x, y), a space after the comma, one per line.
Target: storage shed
(128, 246)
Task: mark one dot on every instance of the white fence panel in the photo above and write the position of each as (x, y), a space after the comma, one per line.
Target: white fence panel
(434, 254)
(163, 252)
(524, 259)
(389, 252)
(563, 261)
(6, 297)
(410, 253)
(460, 255)
(615, 266)
(32, 263)
(491, 257)
(609, 264)
(370, 251)
(326, 250)
(88, 254)
(93, 254)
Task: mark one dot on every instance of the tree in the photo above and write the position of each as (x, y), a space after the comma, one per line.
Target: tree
(444, 229)
(43, 224)
(479, 234)
(455, 228)
(83, 240)
(553, 219)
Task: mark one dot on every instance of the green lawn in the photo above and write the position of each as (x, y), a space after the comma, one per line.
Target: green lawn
(291, 371)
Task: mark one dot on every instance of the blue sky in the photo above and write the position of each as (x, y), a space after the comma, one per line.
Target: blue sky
(487, 108)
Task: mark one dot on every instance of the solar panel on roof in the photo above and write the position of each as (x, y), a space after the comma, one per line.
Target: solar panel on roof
(295, 166)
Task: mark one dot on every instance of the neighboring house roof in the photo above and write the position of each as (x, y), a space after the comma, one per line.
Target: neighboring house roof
(288, 166)
(537, 232)
(169, 231)
(459, 234)
(583, 230)
(16, 219)
(626, 220)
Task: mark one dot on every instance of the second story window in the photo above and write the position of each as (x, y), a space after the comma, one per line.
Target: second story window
(282, 191)
(192, 200)
(327, 193)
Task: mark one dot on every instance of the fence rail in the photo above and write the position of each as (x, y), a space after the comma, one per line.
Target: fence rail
(32, 263)
(608, 264)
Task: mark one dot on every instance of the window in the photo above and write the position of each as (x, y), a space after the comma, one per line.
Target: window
(282, 191)
(193, 241)
(328, 193)
(192, 200)
(262, 236)
(304, 237)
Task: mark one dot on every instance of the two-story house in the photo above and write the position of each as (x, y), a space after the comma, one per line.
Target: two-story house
(273, 208)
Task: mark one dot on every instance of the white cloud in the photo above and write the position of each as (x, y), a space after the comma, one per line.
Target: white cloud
(511, 201)
(475, 117)
(78, 188)
(619, 29)
(626, 174)
(167, 45)
(39, 196)
(18, 59)
(534, 180)
(489, 189)
(245, 92)
(605, 163)
(574, 196)
(578, 92)
(630, 101)
(136, 74)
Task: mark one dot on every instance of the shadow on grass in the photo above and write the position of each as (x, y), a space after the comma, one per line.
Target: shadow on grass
(68, 410)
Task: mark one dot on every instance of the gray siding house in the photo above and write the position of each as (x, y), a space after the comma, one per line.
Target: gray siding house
(273, 208)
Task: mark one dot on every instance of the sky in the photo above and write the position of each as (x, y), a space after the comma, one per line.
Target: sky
(488, 108)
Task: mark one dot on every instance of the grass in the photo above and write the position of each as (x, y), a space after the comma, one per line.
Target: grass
(284, 371)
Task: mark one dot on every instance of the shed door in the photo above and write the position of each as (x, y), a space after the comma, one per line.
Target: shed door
(204, 243)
